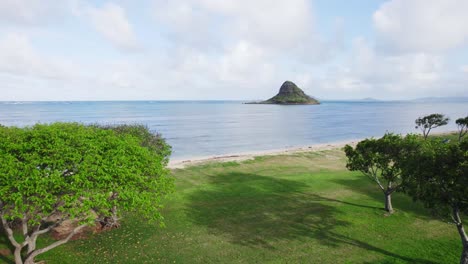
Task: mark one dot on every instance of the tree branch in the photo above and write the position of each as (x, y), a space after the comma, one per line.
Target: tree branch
(45, 230)
(9, 232)
(55, 244)
(24, 226)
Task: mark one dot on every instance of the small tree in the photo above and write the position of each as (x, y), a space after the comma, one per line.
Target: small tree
(462, 124)
(379, 159)
(70, 172)
(437, 175)
(427, 123)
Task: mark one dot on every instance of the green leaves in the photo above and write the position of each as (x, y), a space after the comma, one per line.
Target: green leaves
(437, 175)
(381, 159)
(429, 122)
(71, 169)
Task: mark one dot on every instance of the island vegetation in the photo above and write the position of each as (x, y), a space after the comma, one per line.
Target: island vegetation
(290, 94)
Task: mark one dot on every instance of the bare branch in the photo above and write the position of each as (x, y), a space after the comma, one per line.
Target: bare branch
(45, 230)
(55, 244)
(9, 232)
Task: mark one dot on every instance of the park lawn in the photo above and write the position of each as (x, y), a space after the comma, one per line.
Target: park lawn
(301, 208)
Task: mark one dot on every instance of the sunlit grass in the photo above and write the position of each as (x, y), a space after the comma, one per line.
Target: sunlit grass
(303, 208)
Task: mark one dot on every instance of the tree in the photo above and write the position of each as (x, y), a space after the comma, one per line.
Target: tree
(154, 142)
(462, 124)
(427, 123)
(67, 171)
(380, 160)
(437, 175)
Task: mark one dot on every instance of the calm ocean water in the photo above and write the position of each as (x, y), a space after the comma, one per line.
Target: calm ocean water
(205, 128)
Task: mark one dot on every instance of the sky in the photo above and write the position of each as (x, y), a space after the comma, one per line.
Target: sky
(53, 50)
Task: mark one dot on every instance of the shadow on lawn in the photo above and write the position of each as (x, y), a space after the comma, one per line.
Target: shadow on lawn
(399, 200)
(255, 211)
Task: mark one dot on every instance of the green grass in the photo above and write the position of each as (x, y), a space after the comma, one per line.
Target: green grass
(303, 208)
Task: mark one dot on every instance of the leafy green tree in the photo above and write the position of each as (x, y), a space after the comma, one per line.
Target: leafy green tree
(462, 124)
(437, 175)
(71, 172)
(380, 160)
(427, 123)
(152, 141)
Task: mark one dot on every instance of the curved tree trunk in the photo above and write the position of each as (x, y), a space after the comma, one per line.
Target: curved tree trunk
(388, 203)
(463, 236)
(18, 258)
(30, 258)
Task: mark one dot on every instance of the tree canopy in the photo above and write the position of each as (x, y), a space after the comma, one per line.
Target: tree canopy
(462, 124)
(380, 160)
(429, 122)
(68, 171)
(437, 175)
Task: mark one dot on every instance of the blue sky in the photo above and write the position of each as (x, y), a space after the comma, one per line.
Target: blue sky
(231, 49)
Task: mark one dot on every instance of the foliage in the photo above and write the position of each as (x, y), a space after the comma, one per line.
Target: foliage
(462, 124)
(381, 161)
(427, 123)
(68, 171)
(437, 175)
(291, 94)
(298, 208)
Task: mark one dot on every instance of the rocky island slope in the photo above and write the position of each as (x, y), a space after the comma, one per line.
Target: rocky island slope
(290, 94)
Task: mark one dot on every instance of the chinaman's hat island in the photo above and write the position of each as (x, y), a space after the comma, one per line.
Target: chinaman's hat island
(289, 94)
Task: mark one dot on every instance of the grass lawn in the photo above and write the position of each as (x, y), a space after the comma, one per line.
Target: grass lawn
(303, 208)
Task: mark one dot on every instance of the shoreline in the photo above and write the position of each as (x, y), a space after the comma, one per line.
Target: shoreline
(249, 155)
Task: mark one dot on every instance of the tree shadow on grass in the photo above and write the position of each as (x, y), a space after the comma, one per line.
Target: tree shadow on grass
(256, 211)
(400, 201)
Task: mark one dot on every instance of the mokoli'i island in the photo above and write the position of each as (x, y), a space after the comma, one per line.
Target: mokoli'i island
(290, 94)
(129, 131)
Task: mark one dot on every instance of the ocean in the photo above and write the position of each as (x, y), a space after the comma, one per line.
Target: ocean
(208, 128)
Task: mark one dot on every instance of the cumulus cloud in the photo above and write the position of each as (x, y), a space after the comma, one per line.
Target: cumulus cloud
(368, 71)
(232, 49)
(18, 57)
(422, 25)
(31, 12)
(111, 21)
(281, 28)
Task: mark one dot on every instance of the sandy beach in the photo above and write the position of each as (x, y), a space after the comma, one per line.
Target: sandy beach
(182, 163)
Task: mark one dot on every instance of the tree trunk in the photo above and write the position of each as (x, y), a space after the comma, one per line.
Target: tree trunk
(388, 203)
(463, 236)
(32, 244)
(17, 253)
(464, 256)
(35, 253)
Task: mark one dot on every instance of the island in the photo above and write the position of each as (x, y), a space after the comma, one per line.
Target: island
(289, 94)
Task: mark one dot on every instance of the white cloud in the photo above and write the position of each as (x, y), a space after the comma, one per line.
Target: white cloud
(367, 71)
(282, 29)
(111, 21)
(18, 57)
(31, 12)
(422, 25)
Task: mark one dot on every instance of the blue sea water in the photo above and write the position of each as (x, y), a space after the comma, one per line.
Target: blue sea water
(206, 128)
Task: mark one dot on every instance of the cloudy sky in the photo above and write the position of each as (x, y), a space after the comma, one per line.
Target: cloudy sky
(231, 49)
